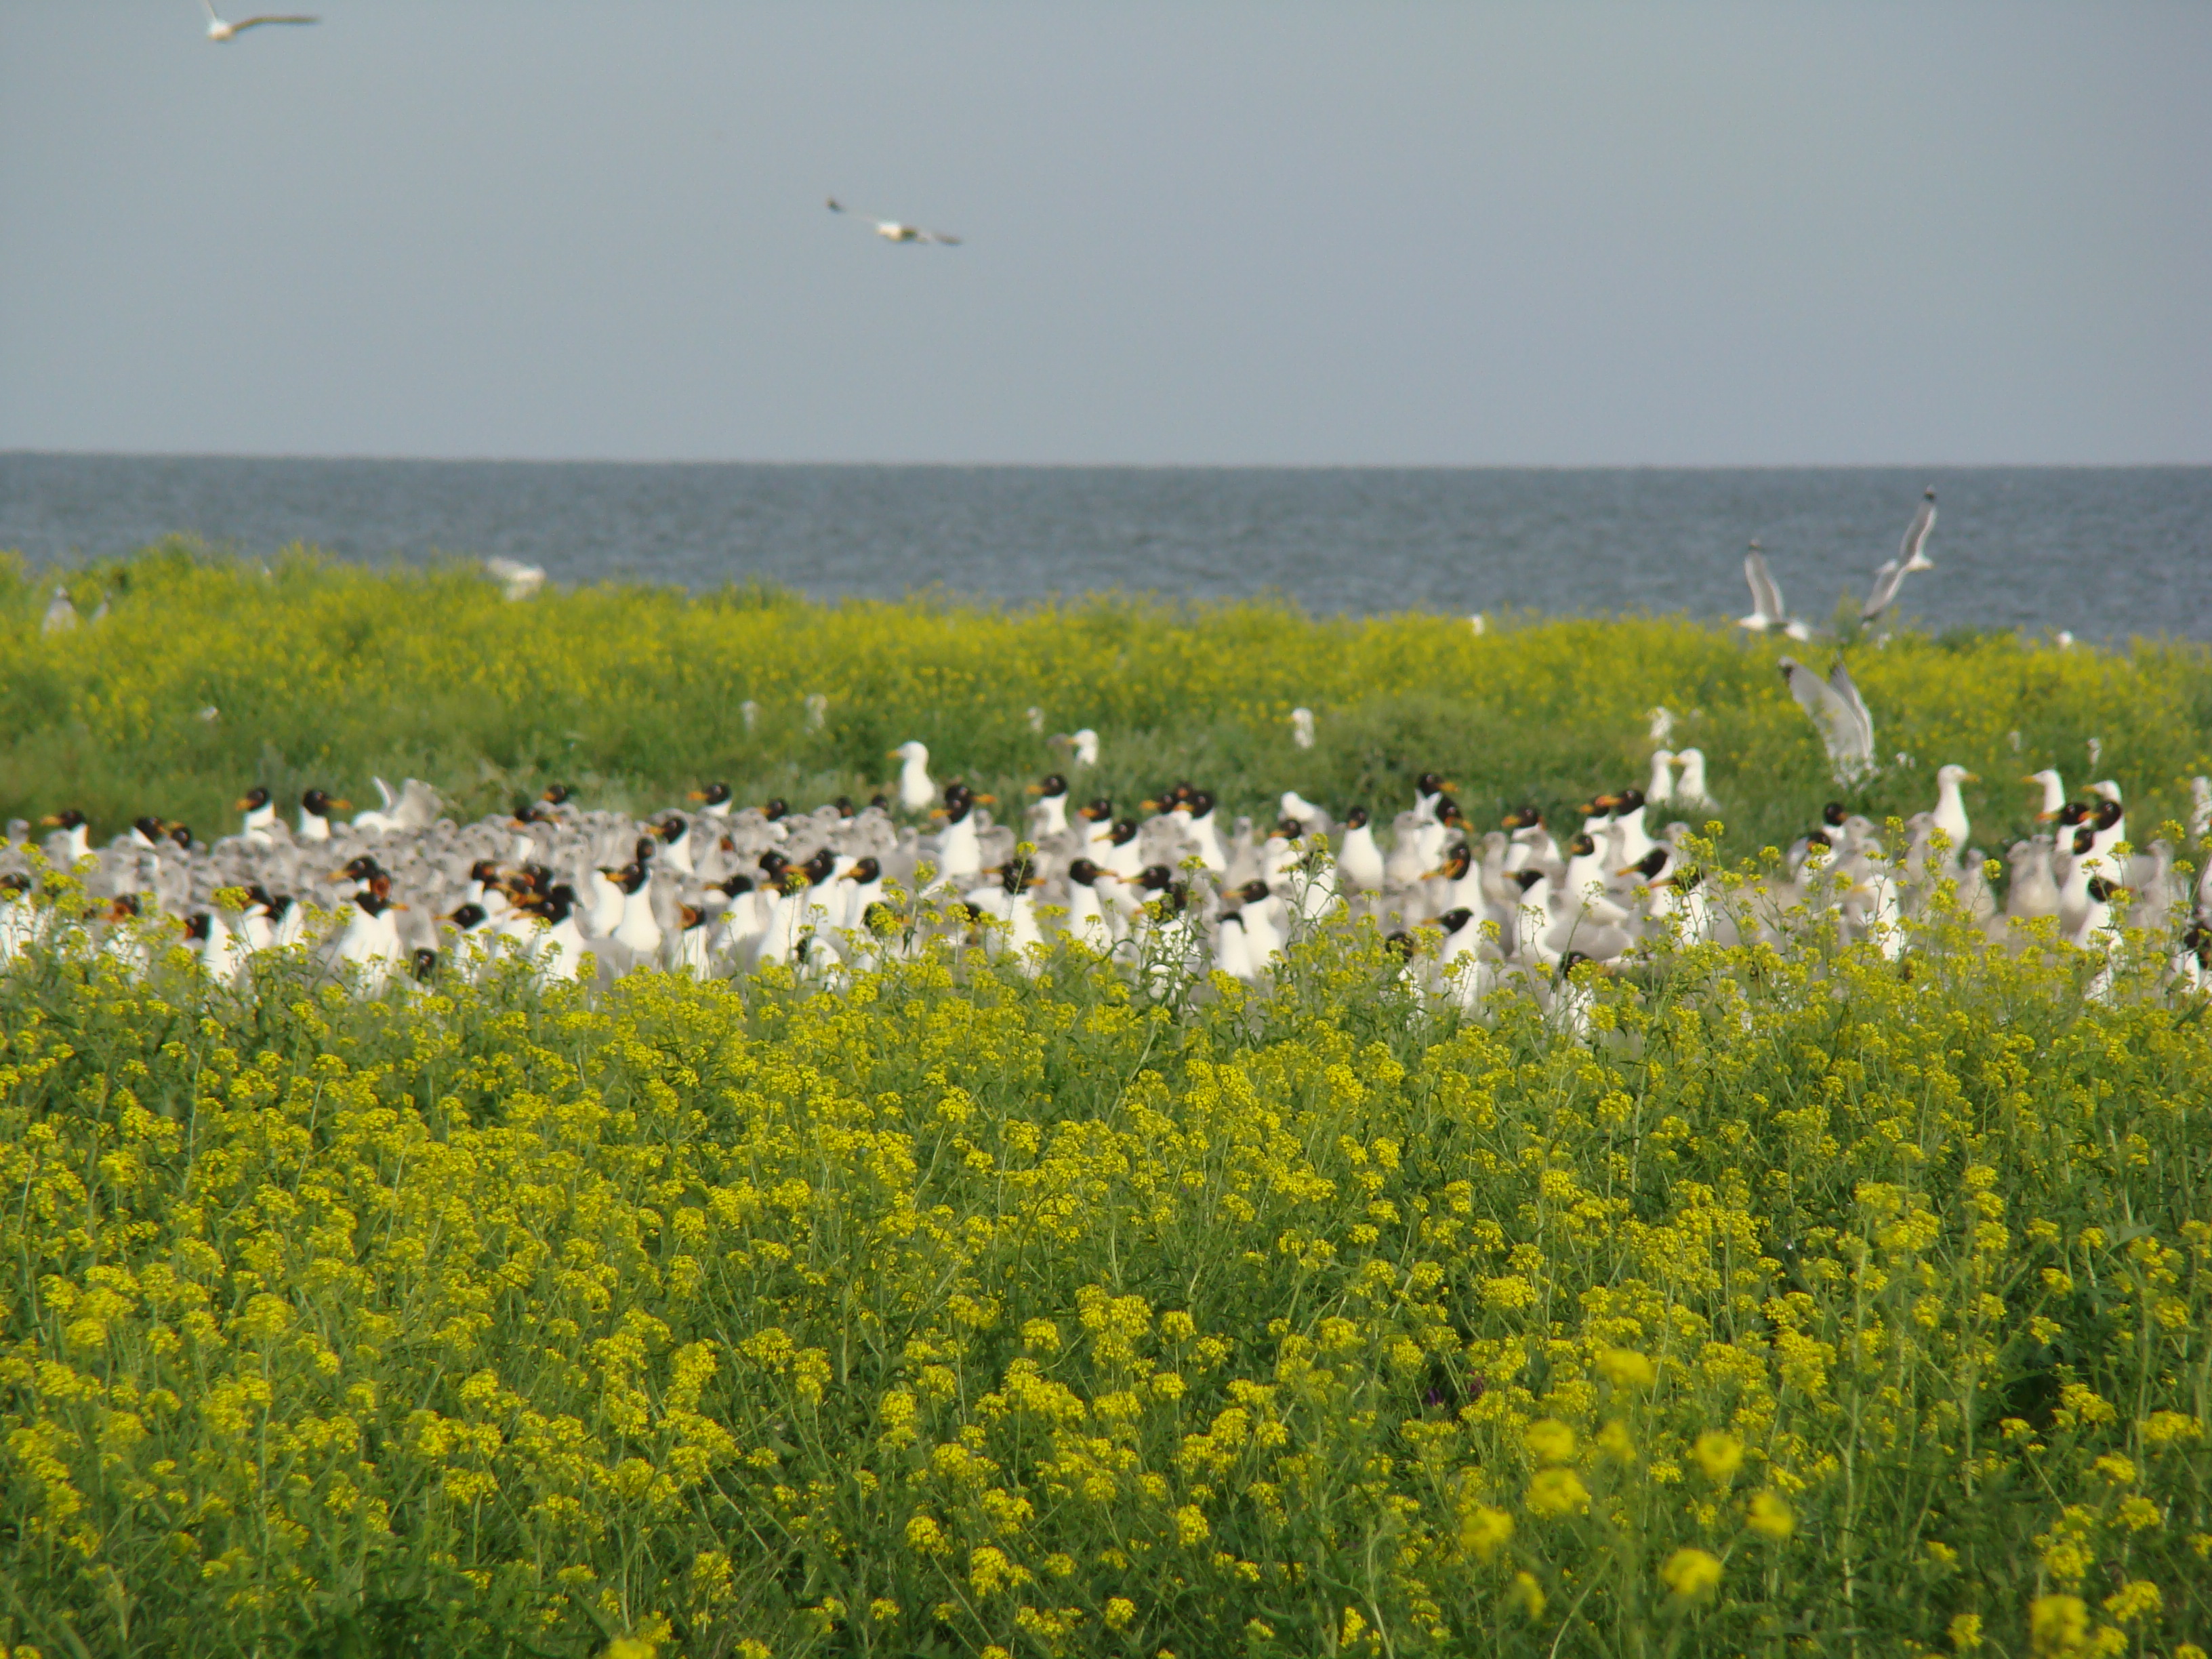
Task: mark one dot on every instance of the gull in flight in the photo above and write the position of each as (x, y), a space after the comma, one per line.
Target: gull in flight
(892, 230)
(219, 30)
(1840, 712)
(1911, 556)
(1768, 613)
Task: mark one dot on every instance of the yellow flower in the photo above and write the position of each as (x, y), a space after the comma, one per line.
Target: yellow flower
(1719, 1455)
(1119, 1610)
(1624, 1368)
(1616, 1443)
(1484, 1531)
(1528, 1595)
(2134, 1601)
(1556, 1492)
(1770, 1516)
(1550, 1441)
(2058, 1624)
(1967, 1632)
(1689, 1573)
(1354, 1627)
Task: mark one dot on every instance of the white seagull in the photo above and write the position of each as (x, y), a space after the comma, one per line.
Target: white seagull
(219, 30)
(1913, 549)
(1911, 556)
(893, 230)
(1768, 613)
(1840, 712)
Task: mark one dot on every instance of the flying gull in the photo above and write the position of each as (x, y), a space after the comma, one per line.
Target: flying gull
(893, 230)
(1768, 613)
(219, 30)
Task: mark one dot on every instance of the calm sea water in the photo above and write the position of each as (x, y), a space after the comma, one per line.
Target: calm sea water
(2102, 552)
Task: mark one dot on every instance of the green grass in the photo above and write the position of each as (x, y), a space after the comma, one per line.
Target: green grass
(323, 673)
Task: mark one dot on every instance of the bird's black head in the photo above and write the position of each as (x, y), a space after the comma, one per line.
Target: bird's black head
(1400, 941)
(646, 846)
(424, 963)
(1582, 847)
(1527, 878)
(1098, 812)
(1454, 918)
(317, 802)
(1833, 815)
(866, 870)
(2109, 813)
(1522, 817)
(1289, 827)
(2105, 891)
(776, 810)
(672, 828)
(1156, 878)
(256, 799)
(1627, 801)
(1356, 818)
(485, 872)
(2085, 838)
(1458, 861)
(1053, 786)
(1253, 891)
(468, 916)
(772, 863)
(881, 803)
(556, 794)
(733, 886)
(1651, 864)
(197, 928)
(844, 805)
(182, 834)
(2073, 812)
(820, 867)
(1200, 803)
(151, 827)
(715, 794)
(362, 868)
(1429, 783)
(1083, 873)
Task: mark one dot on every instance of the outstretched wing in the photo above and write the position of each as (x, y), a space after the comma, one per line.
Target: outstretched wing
(390, 800)
(240, 27)
(1766, 596)
(1815, 696)
(1916, 535)
(1847, 694)
(1886, 582)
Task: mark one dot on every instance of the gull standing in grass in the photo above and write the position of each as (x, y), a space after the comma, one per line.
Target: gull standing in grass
(218, 31)
(1768, 614)
(894, 230)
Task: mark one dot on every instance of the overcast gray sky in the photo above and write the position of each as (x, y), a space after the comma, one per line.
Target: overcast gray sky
(1690, 233)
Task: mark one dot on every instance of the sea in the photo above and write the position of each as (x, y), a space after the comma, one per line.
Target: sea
(2100, 553)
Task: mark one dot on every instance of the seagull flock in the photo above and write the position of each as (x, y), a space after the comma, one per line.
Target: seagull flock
(401, 894)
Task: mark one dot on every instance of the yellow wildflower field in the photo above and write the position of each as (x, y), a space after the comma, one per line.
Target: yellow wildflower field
(1812, 1304)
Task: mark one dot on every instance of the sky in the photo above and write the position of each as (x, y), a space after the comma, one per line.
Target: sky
(1693, 233)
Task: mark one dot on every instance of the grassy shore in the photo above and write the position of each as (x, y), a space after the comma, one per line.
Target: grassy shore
(208, 675)
(1796, 1303)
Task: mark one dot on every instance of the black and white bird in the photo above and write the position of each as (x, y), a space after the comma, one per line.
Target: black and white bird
(1911, 556)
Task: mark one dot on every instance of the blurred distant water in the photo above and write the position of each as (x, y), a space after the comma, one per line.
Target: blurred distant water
(2102, 552)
